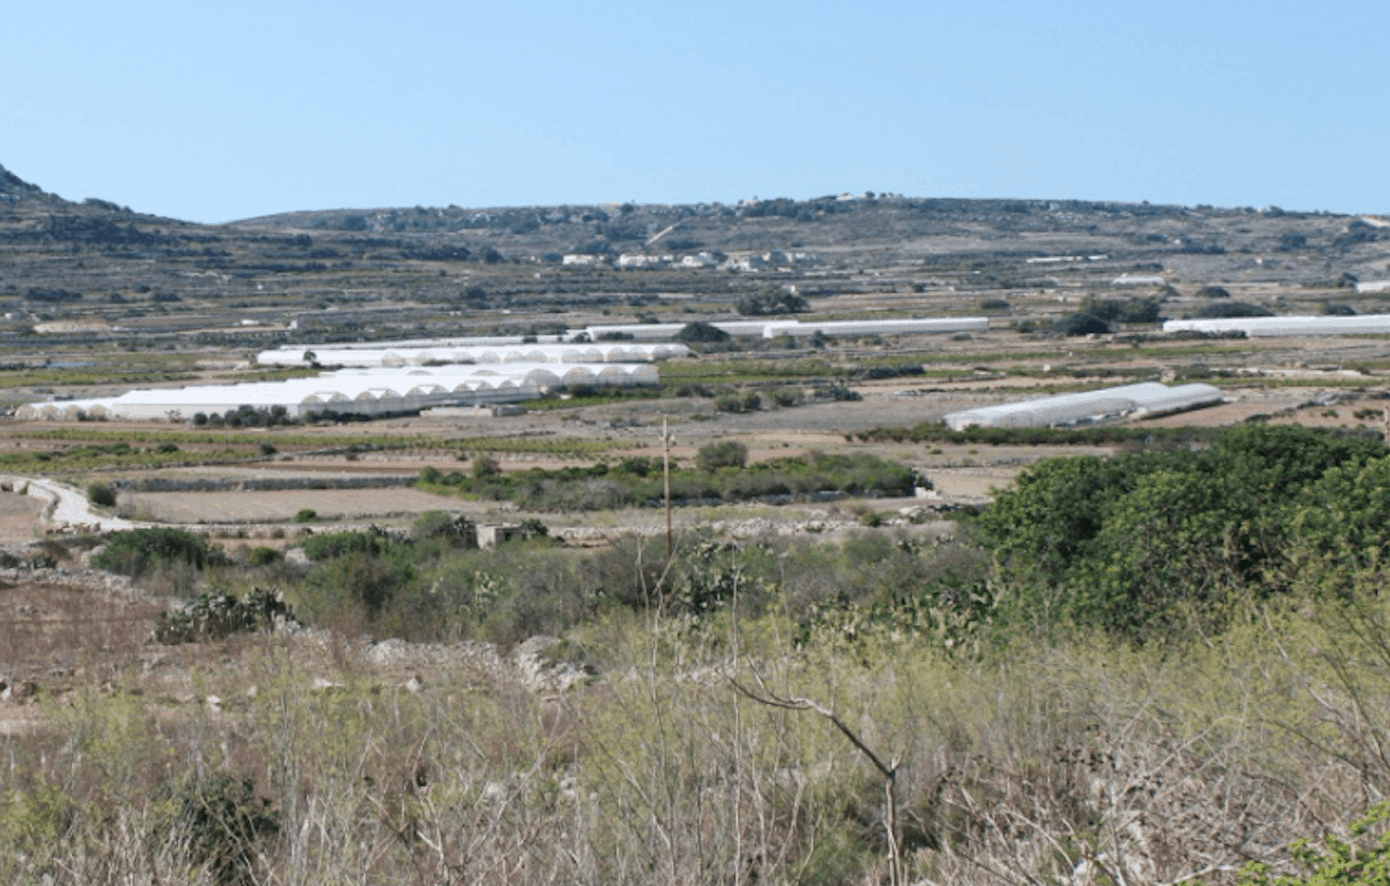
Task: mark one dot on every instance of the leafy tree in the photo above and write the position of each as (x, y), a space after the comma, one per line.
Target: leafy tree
(1123, 310)
(1081, 323)
(760, 304)
(1217, 310)
(1144, 543)
(700, 331)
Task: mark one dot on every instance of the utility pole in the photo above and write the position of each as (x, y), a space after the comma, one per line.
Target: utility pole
(666, 472)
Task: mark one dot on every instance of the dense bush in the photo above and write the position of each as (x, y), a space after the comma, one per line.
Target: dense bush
(214, 616)
(1218, 310)
(777, 302)
(330, 545)
(738, 402)
(1151, 542)
(722, 454)
(137, 552)
(102, 494)
(701, 331)
(223, 826)
(1081, 323)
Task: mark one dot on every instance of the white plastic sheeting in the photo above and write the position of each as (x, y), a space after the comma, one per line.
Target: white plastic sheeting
(1269, 327)
(380, 391)
(1062, 409)
(404, 355)
(772, 328)
(876, 327)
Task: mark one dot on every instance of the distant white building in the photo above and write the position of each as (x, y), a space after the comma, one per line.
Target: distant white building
(583, 259)
(1139, 280)
(634, 260)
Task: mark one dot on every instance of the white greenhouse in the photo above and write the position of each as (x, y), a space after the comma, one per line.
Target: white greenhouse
(366, 392)
(1146, 398)
(405, 355)
(772, 328)
(876, 327)
(1271, 327)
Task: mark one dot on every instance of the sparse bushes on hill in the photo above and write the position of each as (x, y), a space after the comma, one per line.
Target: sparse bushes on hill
(738, 401)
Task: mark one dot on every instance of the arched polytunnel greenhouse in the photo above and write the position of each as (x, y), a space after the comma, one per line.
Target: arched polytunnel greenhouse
(1087, 406)
(598, 352)
(389, 390)
(1270, 327)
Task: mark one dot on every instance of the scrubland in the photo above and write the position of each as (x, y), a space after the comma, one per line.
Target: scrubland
(1011, 704)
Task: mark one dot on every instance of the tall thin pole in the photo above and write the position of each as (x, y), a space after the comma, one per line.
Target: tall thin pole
(666, 471)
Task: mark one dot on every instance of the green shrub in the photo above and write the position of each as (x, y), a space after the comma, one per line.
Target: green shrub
(223, 824)
(214, 616)
(786, 397)
(722, 454)
(1337, 863)
(1151, 542)
(305, 515)
(136, 552)
(330, 545)
(102, 494)
(429, 476)
(264, 556)
(456, 528)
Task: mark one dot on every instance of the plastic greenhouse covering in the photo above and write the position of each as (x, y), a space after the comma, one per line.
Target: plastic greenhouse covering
(1087, 406)
(403, 355)
(382, 391)
(1260, 327)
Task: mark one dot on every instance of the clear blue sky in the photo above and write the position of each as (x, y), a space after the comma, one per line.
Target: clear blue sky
(219, 111)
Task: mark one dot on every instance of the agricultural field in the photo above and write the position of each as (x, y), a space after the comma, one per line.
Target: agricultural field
(867, 649)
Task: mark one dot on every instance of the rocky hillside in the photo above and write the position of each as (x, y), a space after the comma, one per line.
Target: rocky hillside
(14, 189)
(404, 272)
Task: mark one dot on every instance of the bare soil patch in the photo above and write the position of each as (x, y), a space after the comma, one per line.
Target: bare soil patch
(273, 506)
(19, 518)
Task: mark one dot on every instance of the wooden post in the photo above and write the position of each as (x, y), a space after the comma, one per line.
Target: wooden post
(666, 473)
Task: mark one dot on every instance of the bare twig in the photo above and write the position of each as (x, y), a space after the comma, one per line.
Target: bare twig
(888, 770)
